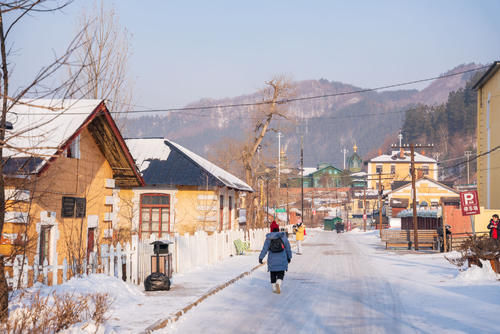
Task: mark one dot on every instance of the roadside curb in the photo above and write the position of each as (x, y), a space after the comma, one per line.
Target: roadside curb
(173, 318)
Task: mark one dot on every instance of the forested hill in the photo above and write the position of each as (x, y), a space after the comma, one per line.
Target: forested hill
(328, 124)
(451, 126)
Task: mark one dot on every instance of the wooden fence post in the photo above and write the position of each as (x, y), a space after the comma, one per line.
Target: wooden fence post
(65, 270)
(45, 272)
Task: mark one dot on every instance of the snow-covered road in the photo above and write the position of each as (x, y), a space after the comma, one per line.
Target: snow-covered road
(332, 288)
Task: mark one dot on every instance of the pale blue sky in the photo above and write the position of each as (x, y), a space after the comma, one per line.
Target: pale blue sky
(186, 50)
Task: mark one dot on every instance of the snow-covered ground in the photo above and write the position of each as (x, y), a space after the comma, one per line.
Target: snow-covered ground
(350, 283)
(342, 283)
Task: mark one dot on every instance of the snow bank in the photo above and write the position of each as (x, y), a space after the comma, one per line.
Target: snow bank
(476, 274)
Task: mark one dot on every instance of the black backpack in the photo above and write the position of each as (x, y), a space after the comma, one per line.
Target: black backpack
(276, 245)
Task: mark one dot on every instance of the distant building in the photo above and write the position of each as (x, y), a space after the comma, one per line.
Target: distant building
(324, 176)
(354, 162)
(396, 167)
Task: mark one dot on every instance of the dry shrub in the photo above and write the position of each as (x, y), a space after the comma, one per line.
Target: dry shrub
(473, 250)
(102, 302)
(53, 313)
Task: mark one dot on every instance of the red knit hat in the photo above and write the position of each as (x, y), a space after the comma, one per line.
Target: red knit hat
(274, 225)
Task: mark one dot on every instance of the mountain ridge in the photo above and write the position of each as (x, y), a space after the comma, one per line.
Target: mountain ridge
(331, 123)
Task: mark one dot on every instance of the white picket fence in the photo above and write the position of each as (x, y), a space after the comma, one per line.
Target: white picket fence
(133, 262)
(199, 249)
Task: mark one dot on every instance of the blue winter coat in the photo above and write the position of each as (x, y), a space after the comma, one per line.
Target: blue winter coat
(276, 261)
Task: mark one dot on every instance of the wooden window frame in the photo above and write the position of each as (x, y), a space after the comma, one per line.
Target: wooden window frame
(151, 206)
(425, 170)
(230, 207)
(221, 212)
(44, 250)
(73, 207)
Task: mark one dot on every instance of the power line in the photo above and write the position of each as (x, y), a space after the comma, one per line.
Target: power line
(284, 101)
(290, 100)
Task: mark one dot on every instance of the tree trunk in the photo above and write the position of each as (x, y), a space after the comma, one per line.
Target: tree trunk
(4, 289)
(4, 293)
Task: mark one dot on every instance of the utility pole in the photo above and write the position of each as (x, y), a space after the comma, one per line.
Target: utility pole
(302, 178)
(312, 207)
(467, 155)
(380, 203)
(267, 199)
(364, 208)
(414, 196)
(279, 160)
(287, 212)
(413, 187)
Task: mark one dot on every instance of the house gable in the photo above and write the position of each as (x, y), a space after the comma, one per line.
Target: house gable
(425, 183)
(49, 127)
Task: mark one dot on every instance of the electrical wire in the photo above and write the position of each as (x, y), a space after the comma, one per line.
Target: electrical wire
(290, 100)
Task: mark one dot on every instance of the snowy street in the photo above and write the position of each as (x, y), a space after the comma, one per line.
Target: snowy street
(349, 283)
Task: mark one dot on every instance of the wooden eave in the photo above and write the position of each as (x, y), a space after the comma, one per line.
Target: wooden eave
(109, 140)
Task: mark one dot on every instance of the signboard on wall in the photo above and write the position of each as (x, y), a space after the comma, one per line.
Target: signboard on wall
(469, 202)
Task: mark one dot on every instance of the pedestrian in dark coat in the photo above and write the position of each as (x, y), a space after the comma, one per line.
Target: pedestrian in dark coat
(494, 227)
(277, 262)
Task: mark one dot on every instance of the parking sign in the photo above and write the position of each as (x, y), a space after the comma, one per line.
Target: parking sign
(469, 201)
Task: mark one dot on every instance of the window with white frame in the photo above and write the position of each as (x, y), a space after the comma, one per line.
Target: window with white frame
(73, 150)
(378, 169)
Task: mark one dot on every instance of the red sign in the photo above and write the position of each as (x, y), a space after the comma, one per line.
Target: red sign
(469, 201)
(364, 215)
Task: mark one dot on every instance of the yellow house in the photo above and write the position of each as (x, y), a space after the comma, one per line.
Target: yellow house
(396, 167)
(360, 199)
(64, 165)
(429, 193)
(184, 192)
(488, 142)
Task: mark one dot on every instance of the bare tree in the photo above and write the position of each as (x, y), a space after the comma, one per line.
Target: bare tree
(12, 13)
(105, 53)
(277, 90)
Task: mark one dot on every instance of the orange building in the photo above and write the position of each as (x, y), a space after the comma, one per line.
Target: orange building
(65, 164)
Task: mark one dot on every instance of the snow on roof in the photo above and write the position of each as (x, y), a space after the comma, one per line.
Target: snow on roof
(42, 126)
(395, 157)
(227, 178)
(309, 170)
(146, 149)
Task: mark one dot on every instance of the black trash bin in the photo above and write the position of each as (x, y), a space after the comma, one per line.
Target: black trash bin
(161, 267)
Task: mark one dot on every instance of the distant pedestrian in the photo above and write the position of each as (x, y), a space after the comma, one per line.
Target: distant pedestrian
(494, 227)
(274, 225)
(279, 255)
(300, 232)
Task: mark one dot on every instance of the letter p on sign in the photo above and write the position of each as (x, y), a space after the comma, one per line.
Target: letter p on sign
(469, 202)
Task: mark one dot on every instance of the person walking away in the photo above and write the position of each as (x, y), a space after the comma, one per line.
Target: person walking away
(494, 227)
(279, 254)
(300, 231)
(274, 225)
